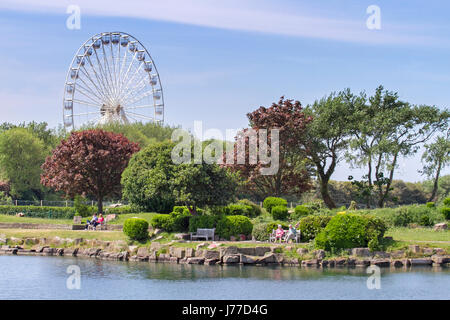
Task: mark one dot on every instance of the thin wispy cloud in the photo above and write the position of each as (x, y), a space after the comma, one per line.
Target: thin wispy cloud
(251, 16)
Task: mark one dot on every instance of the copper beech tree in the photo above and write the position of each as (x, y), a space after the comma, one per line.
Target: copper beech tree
(89, 162)
(292, 177)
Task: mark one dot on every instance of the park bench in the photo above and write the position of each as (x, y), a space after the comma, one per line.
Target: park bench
(273, 238)
(203, 233)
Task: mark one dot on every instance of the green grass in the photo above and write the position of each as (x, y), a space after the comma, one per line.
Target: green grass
(72, 234)
(418, 234)
(4, 218)
(144, 215)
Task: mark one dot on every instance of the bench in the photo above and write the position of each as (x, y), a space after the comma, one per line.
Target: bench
(203, 233)
(273, 238)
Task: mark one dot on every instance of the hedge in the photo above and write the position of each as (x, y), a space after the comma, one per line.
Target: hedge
(229, 226)
(136, 229)
(40, 212)
(255, 209)
(173, 222)
(279, 212)
(311, 225)
(300, 211)
(271, 202)
(122, 210)
(203, 222)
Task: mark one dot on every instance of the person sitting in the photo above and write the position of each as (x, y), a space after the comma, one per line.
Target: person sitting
(100, 219)
(279, 233)
(92, 222)
(292, 233)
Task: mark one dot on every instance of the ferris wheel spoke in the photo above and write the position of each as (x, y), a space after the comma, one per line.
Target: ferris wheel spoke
(140, 107)
(84, 91)
(87, 103)
(100, 82)
(104, 76)
(128, 70)
(100, 92)
(142, 96)
(107, 66)
(121, 68)
(132, 77)
(139, 115)
(133, 91)
(84, 114)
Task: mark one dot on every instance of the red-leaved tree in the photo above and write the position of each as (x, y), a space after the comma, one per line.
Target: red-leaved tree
(292, 177)
(89, 162)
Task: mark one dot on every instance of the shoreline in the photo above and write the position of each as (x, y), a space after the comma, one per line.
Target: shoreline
(258, 255)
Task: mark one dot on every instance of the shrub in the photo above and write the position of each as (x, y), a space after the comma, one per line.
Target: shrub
(271, 202)
(136, 229)
(229, 226)
(260, 232)
(81, 208)
(238, 209)
(430, 205)
(446, 212)
(280, 212)
(185, 210)
(256, 209)
(315, 206)
(203, 222)
(425, 221)
(353, 205)
(162, 221)
(40, 212)
(447, 202)
(173, 222)
(5, 199)
(122, 210)
(300, 211)
(349, 231)
(311, 225)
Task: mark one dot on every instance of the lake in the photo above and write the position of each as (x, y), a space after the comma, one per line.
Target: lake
(38, 277)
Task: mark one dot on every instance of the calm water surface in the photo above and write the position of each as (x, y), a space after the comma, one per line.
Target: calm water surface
(23, 277)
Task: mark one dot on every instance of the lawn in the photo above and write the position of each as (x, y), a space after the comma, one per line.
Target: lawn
(4, 218)
(72, 234)
(144, 215)
(418, 234)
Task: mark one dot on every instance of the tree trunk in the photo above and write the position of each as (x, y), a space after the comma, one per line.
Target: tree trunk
(436, 181)
(100, 204)
(325, 193)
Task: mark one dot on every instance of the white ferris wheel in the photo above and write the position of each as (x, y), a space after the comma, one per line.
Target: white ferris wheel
(112, 78)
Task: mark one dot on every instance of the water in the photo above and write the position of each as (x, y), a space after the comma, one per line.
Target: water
(23, 277)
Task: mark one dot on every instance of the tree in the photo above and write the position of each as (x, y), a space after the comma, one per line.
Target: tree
(21, 155)
(292, 176)
(89, 162)
(386, 128)
(436, 157)
(328, 135)
(154, 182)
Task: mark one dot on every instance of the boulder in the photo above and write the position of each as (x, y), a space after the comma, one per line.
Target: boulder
(49, 251)
(428, 251)
(247, 251)
(211, 254)
(414, 248)
(351, 262)
(60, 251)
(319, 254)
(211, 262)
(398, 254)
(195, 260)
(440, 226)
(382, 254)
(164, 257)
(245, 259)
(261, 251)
(362, 263)
(340, 262)
(142, 252)
(361, 252)
(189, 252)
(310, 263)
(182, 236)
(439, 251)
(230, 259)
(302, 251)
(177, 252)
(201, 245)
(380, 263)
(70, 251)
(153, 257)
(227, 251)
(173, 259)
(268, 258)
(324, 263)
(439, 259)
(397, 263)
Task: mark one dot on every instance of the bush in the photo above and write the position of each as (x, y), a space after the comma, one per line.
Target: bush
(425, 221)
(260, 232)
(229, 226)
(203, 222)
(185, 210)
(125, 209)
(136, 229)
(353, 206)
(315, 206)
(162, 221)
(299, 212)
(5, 199)
(446, 212)
(447, 202)
(311, 225)
(40, 212)
(280, 212)
(350, 231)
(271, 202)
(173, 222)
(430, 205)
(256, 209)
(238, 209)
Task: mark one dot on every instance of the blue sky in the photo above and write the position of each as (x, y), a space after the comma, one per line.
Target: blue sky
(219, 60)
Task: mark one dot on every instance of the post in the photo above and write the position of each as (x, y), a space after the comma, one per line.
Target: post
(16, 202)
(41, 203)
(66, 203)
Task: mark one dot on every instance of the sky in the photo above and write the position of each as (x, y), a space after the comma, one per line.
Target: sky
(219, 60)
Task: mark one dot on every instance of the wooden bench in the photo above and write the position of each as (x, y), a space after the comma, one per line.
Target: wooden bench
(273, 238)
(203, 233)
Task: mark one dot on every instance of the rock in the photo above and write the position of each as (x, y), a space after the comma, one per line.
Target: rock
(164, 257)
(397, 263)
(414, 248)
(261, 251)
(440, 259)
(182, 236)
(245, 259)
(288, 248)
(362, 263)
(247, 251)
(153, 257)
(340, 262)
(428, 251)
(380, 263)
(361, 252)
(132, 248)
(211, 262)
(155, 245)
(440, 226)
(319, 254)
(16, 240)
(302, 251)
(173, 259)
(230, 259)
(177, 252)
(142, 252)
(78, 241)
(420, 262)
(195, 260)
(406, 262)
(201, 245)
(268, 258)
(70, 252)
(159, 237)
(227, 251)
(351, 262)
(331, 263)
(211, 254)
(382, 254)
(157, 231)
(324, 263)
(199, 252)
(398, 254)
(190, 252)
(310, 263)
(60, 251)
(48, 251)
(3, 240)
(439, 251)
(30, 241)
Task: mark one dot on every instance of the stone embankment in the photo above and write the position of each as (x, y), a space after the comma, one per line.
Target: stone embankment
(222, 255)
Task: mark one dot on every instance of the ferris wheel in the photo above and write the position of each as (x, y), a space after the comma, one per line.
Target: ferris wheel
(112, 78)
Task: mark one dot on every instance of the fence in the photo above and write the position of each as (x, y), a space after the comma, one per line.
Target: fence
(48, 203)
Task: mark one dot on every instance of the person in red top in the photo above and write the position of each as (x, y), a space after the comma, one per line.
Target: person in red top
(279, 233)
(101, 219)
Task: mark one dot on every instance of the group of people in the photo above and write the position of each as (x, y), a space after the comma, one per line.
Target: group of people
(95, 221)
(291, 233)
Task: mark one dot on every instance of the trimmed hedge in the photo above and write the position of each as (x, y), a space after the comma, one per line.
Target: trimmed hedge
(203, 222)
(40, 212)
(136, 229)
(271, 202)
(256, 209)
(311, 225)
(300, 211)
(238, 209)
(446, 212)
(280, 212)
(350, 231)
(229, 226)
(125, 209)
(173, 222)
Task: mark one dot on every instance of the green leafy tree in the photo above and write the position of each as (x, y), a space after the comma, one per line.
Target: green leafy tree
(21, 155)
(386, 128)
(435, 158)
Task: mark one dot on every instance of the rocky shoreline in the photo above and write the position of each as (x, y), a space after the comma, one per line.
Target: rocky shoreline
(260, 255)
